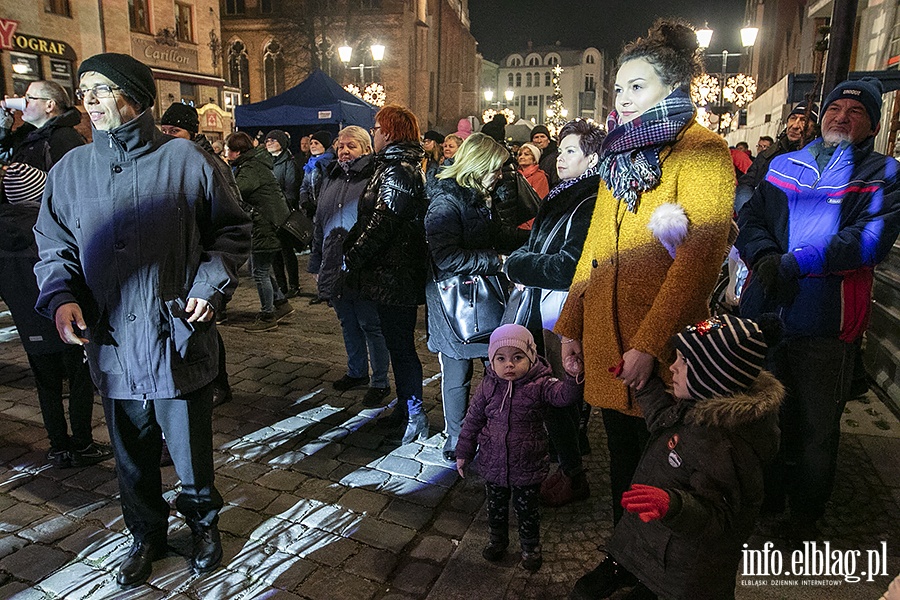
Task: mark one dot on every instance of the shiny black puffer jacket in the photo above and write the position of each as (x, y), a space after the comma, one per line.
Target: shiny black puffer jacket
(385, 255)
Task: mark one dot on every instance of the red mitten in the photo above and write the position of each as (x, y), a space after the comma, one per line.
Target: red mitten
(650, 503)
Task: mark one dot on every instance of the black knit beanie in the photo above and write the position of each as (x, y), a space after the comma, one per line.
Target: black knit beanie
(130, 74)
(280, 137)
(323, 137)
(433, 136)
(725, 354)
(181, 115)
(867, 91)
(539, 129)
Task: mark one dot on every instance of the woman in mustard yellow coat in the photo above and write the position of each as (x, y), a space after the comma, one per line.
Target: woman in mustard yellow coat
(657, 238)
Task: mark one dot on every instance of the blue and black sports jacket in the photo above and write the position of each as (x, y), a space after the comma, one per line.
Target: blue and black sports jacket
(838, 222)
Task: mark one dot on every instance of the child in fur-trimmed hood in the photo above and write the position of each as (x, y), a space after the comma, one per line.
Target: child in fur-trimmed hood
(697, 490)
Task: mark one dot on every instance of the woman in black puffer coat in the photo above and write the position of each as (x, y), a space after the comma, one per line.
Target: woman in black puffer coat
(385, 255)
(465, 237)
(570, 203)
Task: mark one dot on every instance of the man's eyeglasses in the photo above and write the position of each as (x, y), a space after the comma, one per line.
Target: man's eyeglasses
(101, 90)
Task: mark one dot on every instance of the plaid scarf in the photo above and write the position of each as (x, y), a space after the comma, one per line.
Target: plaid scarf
(567, 183)
(629, 157)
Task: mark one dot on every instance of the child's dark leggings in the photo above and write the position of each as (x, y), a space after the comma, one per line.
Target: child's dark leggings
(526, 503)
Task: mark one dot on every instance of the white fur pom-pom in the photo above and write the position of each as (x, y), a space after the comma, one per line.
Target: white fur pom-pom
(669, 225)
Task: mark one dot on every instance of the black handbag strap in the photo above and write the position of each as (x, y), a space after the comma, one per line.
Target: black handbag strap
(558, 226)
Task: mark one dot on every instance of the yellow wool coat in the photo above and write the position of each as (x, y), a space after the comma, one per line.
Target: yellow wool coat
(628, 292)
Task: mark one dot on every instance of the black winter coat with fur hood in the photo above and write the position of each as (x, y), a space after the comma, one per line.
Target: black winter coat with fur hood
(709, 456)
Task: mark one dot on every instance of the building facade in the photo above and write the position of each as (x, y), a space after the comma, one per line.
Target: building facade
(430, 61)
(179, 40)
(528, 74)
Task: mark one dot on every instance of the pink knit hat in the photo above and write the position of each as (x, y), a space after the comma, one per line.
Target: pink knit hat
(514, 336)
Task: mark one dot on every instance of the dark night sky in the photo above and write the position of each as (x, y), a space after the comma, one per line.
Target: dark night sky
(503, 26)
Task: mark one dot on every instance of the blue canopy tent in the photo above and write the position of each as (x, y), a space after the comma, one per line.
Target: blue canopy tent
(316, 103)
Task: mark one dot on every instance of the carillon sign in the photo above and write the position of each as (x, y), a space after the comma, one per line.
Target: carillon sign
(10, 40)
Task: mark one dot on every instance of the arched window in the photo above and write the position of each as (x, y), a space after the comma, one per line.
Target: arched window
(518, 80)
(239, 69)
(515, 61)
(589, 59)
(547, 79)
(534, 61)
(537, 80)
(528, 80)
(553, 60)
(510, 80)
(273, 59)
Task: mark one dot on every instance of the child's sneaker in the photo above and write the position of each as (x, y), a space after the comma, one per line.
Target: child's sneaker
(61, 459)
(92, 454)
(532, 559)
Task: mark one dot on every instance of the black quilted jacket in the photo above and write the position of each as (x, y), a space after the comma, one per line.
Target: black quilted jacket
(385, 255)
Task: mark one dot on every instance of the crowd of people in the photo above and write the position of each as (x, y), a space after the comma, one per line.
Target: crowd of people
(612, 239)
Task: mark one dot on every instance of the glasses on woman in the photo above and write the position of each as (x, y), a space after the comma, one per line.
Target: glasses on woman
(101, 90)
(374, 129)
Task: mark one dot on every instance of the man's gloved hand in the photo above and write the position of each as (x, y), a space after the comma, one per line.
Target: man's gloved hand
(788, 279)
(650, 503)
(779, 275)
(766, 270)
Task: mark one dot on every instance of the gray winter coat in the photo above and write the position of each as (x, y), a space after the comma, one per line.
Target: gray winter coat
(709, 456)
(130, 227)
(335, 215)
(506, 419)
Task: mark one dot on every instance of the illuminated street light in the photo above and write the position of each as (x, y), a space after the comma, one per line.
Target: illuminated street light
(345, 53)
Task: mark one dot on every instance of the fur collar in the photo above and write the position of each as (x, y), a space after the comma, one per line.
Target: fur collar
(760, 401)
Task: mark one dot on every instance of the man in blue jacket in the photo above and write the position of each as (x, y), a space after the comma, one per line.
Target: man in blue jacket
(140, 237)
(812, 233)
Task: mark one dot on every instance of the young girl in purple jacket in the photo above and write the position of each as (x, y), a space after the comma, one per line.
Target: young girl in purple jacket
(505, 421)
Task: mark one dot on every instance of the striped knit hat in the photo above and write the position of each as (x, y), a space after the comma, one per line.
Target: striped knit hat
(23, 183)
(724, 355)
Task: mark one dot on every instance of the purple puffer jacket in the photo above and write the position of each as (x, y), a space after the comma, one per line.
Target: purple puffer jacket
(507, 417)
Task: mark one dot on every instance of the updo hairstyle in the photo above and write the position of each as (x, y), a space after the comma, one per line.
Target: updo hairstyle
(671, 48)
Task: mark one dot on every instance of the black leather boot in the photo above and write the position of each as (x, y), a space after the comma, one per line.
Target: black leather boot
(207, 552)
(138, 565)
(608, 577)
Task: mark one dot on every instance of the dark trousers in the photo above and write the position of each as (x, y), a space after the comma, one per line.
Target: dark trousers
(526, 502)
(221, 379)
(50, 370)
(626, 437)
(563, 424)
(136, 428)
(398, 326)
(285, 262)
(816, 373)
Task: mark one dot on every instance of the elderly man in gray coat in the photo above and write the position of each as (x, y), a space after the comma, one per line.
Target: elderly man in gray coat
(140, 237)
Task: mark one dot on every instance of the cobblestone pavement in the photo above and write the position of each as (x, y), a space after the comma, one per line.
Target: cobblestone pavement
(322, 504)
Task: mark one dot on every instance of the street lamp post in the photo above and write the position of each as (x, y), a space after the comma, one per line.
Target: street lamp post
(346, 53)
(738, 90)
(502, 107)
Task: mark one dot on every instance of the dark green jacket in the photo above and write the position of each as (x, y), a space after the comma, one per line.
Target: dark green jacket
(262, 196)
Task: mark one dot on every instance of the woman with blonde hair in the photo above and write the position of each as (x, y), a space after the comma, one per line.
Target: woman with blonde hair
(465, 237)
(451, 146)
(343, 182)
